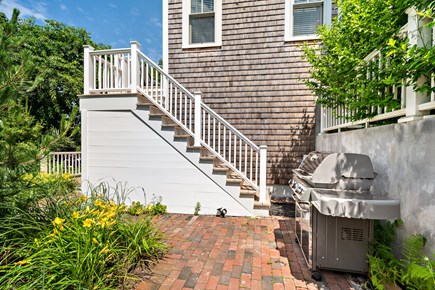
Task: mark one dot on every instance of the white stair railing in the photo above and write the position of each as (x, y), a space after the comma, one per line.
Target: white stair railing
(62, 163)
(130, 71)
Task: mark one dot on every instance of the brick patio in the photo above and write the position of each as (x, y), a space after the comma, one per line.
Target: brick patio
(209, 252)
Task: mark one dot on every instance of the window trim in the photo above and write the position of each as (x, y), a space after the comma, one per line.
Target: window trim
(288, 29)
(217, 28)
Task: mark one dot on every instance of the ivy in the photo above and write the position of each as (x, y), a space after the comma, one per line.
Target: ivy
(341, 77)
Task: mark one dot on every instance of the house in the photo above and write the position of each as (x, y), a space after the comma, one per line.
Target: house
(246, 59)
(227, 116)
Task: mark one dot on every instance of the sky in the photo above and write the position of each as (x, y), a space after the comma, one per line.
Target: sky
(112, 22)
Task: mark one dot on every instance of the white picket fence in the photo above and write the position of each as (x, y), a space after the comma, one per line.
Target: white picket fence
(128, 70)
(413, 105)
(62, 163)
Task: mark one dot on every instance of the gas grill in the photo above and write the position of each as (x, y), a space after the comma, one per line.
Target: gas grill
(335, 210)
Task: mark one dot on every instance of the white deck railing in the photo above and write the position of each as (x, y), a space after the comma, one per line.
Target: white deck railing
(62, 162)
(130, 71)
(413, 105)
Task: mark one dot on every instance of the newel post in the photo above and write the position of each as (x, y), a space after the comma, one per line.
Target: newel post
(198, 117)
(263, 173)
(88, 70)
(135, 66)
(420, 36)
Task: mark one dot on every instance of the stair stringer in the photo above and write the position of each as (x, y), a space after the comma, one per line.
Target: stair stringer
(220, 179)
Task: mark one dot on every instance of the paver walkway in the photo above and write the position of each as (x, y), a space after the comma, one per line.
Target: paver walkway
(209, 252)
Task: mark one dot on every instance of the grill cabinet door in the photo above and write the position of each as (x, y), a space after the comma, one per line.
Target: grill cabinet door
(341, 243)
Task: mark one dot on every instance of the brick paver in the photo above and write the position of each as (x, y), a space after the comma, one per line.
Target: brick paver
(208, 252)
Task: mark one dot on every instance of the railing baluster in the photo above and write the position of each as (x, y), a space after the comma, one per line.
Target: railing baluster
(190, 114)
(246, 159)
(229, 146)
(100, 72)
(256, 169)
(219, 138)
(170, 98)
(203, 125)
(225, 142)
(208, 129)
(250, 165)
(214, 134)
(185, 109)
(235, 150)
(180, 111)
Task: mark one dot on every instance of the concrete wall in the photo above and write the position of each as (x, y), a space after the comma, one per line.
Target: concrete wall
(403, 155)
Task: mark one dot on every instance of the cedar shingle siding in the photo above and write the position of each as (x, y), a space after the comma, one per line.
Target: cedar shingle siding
(253, 80)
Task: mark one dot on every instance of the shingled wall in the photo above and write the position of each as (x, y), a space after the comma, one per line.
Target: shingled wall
(254, 80)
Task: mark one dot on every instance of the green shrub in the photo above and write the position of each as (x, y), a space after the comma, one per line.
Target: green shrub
(414, 271)
(91, 243)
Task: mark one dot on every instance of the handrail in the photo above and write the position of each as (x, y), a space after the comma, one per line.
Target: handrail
(131, 71)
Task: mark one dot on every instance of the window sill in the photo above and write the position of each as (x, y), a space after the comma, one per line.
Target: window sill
(202, 45)
(301, 38)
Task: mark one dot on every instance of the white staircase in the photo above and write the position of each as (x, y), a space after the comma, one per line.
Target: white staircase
(216, 149)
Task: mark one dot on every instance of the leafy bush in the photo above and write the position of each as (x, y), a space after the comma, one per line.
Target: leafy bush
(90, 243)
(414, 271)
(339, 72)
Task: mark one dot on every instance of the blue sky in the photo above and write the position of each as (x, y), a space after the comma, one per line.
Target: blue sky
(111, 22)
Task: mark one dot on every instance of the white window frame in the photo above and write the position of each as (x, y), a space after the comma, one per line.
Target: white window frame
(288, 31)
(217, 27)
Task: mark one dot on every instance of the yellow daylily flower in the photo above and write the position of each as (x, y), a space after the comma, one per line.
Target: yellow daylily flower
(75, 215)
(95, 241)
(58, 221)
(88, 223)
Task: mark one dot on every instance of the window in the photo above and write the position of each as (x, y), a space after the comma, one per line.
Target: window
(202, 23)
(303, 16)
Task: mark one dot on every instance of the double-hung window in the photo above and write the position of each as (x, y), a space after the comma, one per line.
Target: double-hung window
(302, 17)
(202, 21)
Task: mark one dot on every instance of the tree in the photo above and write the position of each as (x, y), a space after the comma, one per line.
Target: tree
(22, 140)
(338, 70)
(56, 54)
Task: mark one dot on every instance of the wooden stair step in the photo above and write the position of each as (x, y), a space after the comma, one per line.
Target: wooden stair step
(207, 158)
(168, 122)
(156, 112)
(245, 192)
(220, 169)
(143, 101)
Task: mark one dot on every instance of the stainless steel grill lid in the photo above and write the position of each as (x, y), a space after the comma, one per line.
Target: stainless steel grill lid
(344, 203)
(338, 184)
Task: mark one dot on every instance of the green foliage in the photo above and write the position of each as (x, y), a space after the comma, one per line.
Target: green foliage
(339, 73)
(56, 55)
(87, 243)
(414, 271)
(197, 208)
(418, 270)
(153, 209)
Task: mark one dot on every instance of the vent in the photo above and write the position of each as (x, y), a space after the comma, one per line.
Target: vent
(358, 235)
(349, 234)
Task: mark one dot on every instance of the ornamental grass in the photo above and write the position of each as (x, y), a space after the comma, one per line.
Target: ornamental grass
(75, 242)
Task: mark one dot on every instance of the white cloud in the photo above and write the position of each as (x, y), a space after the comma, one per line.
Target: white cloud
(80, 9)
(63, 7)
(134, 11)
(112, 5)
(36, 9)
(155, 21)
